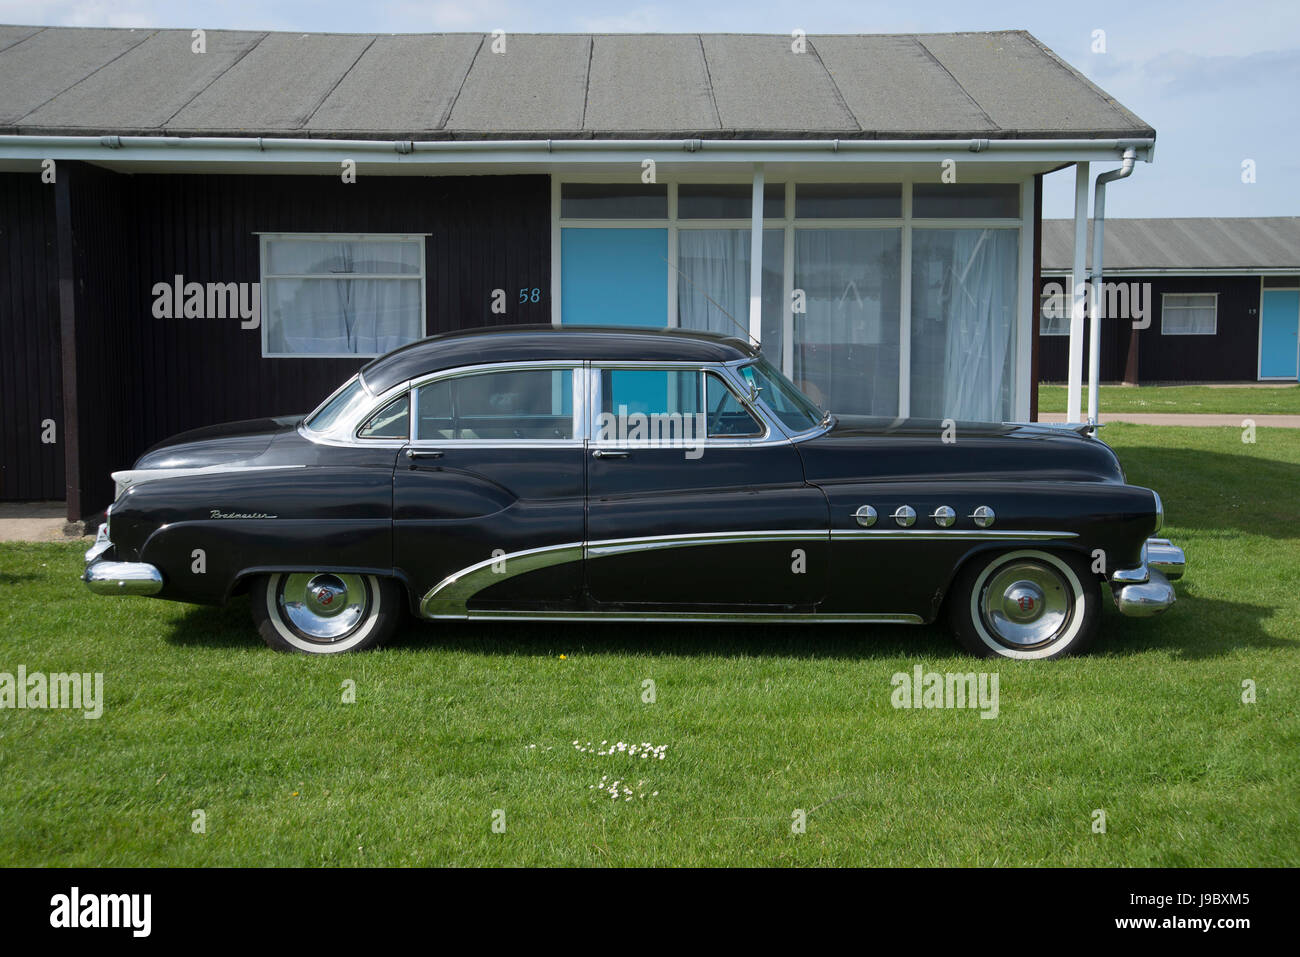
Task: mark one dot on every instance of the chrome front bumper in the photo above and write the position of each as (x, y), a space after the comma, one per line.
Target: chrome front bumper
(105, 577)
(1146, 590)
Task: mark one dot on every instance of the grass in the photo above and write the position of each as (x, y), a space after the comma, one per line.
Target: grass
(1284, 400)
(757, 722)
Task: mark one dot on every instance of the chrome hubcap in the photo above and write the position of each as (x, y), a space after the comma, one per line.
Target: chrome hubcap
(1026, 603)
(324, 607)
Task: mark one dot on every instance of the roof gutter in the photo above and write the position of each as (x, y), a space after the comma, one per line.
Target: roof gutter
(289, 149)
(1094, 307)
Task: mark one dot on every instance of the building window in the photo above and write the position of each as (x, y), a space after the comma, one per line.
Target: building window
(1054, 314)
(964, 298)
(334, 295)
(841, 261)
(1193, 314)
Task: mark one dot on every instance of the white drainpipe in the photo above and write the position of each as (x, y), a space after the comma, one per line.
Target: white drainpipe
(1094, 306)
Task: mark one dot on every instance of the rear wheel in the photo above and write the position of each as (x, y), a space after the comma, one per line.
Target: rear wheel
(323, 613)
(1025, 604)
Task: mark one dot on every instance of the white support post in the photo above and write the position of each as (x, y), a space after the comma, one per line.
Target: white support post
(756, 258)
(1079, 283)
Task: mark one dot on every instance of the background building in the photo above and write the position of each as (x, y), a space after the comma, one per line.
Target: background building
(1224, 299)
(867, 207)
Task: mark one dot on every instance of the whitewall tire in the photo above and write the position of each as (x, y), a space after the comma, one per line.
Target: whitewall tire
(1025, 604)
(325, 613)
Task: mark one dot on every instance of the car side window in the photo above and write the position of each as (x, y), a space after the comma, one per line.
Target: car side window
(727, 415)
(650, 392)
(500, 405)
(393, 421)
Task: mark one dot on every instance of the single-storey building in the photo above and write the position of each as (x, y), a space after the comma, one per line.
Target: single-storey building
(1220, 297)
(204, 226)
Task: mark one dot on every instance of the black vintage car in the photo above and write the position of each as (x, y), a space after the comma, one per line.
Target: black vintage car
(582, 474)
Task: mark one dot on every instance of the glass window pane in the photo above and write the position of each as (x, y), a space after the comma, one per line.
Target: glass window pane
(341, 316)
(728, 416)
(614, 277)
(1054, 315)
(347, 401)
(728, 200)
(1191, 314)
(966, 200)
(390, 422)
(713, 282)
(778, 393)
(613, 201)
(846, 340)
(650, 391)
(964, 323)
(335, 257)
(848, 200)
(509, 404)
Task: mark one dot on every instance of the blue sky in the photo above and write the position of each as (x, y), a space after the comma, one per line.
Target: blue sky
(1220, 82)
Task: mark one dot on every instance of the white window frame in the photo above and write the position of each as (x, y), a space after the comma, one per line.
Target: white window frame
(1165, 309)
(264, 275)
(1026, 312)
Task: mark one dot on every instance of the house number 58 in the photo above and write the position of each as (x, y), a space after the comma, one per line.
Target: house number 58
(530, 295)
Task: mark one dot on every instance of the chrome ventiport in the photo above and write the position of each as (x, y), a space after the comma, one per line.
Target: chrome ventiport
(944, 516)
(865, 516)
(905, 516)
(983, 516)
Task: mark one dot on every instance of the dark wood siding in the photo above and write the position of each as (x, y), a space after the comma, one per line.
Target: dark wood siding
(1231, 355)
(142, 379)
(30, 380)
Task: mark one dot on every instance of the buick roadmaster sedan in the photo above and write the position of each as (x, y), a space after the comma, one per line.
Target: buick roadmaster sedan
(630, 475)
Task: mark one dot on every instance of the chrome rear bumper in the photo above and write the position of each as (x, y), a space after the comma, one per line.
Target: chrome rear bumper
(105, 577)
(1146, 590)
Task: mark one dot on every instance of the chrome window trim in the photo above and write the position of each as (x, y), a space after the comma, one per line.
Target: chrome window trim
(378, 440)
(343, 435)
(723, 370)
(821, 428)
(573, 366)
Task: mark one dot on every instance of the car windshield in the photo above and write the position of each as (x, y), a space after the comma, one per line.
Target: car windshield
(797, 412)
(344, 403)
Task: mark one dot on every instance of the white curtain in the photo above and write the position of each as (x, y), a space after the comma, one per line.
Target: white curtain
(334, 316)
(964, 323)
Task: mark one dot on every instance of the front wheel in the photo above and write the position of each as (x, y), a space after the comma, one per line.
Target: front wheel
(324, 613)
(1025, 604)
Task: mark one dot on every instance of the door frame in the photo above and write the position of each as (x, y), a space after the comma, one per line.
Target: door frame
(1259, 345)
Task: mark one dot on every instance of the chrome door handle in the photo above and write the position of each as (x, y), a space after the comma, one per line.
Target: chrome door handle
(413, 454)
(610, 454)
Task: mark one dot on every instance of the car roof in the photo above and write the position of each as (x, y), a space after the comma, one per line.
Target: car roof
(549, 343)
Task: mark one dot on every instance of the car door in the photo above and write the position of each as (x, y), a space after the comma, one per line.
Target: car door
(694, 501)
(488, 495)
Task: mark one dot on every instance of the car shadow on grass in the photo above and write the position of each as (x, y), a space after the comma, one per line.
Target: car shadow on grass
(1196, 628)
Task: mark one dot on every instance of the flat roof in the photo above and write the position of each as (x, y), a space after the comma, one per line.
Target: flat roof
(101, 81)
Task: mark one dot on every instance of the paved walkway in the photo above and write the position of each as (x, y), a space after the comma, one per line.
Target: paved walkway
(1175, 418)
(35, 522)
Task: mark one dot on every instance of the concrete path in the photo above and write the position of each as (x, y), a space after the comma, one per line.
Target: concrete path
(1175, 418)
(36, 522)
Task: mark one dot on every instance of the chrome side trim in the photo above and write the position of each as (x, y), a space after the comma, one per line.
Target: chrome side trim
(691, 616)
(450, 597)
(128, 478)
(961, 535)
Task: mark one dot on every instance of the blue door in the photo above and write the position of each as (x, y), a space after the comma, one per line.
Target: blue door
(614, 277)
(1279, 349)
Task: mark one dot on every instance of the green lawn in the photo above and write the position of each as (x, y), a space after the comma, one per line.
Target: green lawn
(457, 721)
(1181, 398)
